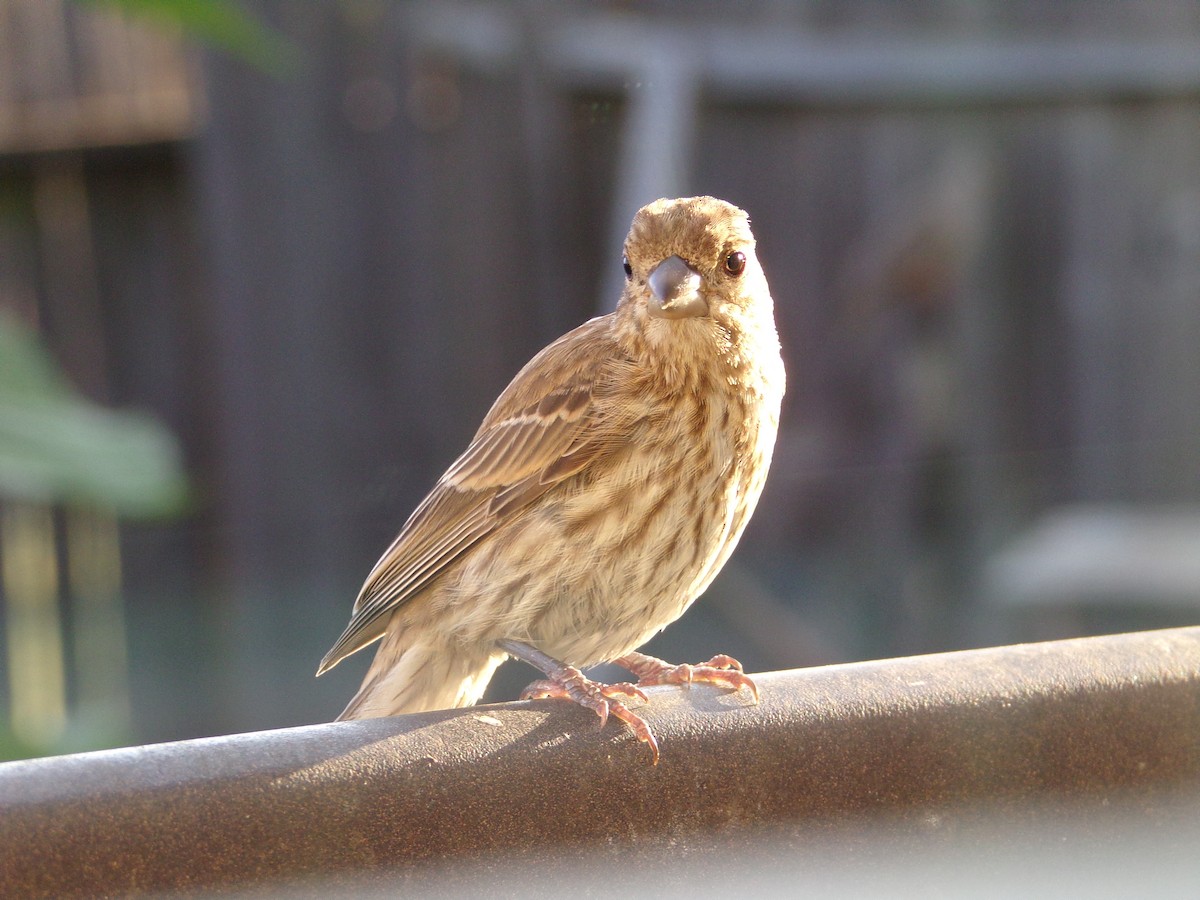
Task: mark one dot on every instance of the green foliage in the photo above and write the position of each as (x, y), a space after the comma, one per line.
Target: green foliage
(57, 447)
(219, 23)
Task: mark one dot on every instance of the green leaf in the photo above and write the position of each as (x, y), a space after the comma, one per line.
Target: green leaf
(25, 368)
(57, 447)
(222, 24)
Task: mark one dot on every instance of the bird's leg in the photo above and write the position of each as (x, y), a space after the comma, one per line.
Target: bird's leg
(568, 683)
(720, 670)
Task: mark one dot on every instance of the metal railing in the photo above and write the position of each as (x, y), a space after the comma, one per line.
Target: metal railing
(924, 743)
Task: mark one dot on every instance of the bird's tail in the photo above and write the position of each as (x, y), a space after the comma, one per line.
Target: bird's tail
(421, 677)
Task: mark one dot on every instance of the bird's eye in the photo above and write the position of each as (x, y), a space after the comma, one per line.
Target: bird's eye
(735, 262)
(626, 266)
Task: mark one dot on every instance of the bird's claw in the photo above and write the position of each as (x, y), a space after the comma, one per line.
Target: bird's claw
(600, 698)
(721, 670)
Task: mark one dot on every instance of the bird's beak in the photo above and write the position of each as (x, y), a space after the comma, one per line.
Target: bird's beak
(675, 291)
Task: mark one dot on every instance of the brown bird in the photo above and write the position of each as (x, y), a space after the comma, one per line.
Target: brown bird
(601, 495)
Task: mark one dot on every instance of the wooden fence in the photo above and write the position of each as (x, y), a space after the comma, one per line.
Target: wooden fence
(982, 229)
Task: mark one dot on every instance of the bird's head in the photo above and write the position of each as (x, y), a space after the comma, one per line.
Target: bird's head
(693, 258)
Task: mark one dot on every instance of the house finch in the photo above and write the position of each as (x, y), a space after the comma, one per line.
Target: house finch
(601, 495)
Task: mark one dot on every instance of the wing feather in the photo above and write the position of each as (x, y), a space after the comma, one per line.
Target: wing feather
(544, 428)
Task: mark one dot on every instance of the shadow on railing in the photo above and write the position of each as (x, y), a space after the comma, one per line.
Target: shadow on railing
(968, 750)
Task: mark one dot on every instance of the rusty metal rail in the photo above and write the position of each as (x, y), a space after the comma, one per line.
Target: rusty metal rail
(1087, 724)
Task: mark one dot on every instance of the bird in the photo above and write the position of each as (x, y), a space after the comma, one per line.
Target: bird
(603, 492)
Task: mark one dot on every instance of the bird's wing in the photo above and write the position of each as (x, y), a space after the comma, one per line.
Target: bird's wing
(542, 430)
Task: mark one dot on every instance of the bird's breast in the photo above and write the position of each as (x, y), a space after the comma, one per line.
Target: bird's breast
(649, 529)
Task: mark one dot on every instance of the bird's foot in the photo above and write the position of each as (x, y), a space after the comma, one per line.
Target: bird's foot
(603, 699)
(721, 670)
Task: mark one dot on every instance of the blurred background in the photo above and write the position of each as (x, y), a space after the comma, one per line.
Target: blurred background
(264, 266)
